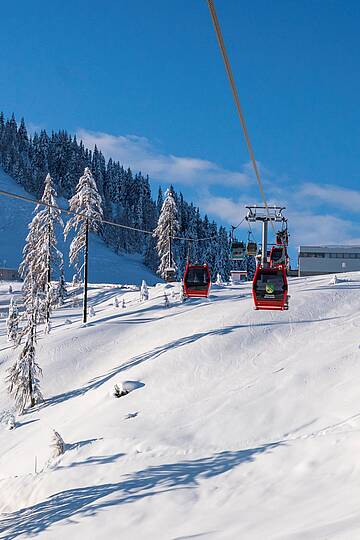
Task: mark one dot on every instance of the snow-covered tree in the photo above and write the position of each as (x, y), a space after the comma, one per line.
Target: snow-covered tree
(57, 445)
(10, 423)
(75, 281)
(12, 322)
(22, 378)
(41, 255)
(219, 280)
(87, 203)
(123, 305)
(181, 293)
(167, 227)
(61, 291)
(91, 311)
(10, 289)
(144, 291)
(116, 302)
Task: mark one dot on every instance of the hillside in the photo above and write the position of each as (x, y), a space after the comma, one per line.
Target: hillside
(242, 424)
(105, 266)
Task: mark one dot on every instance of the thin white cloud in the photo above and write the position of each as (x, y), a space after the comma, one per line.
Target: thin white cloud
(141, 155)
(347, 199)
(306, 227)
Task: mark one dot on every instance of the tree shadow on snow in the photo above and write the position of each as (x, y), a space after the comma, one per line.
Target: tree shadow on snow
(92, 460)
(95, 383)
(87, 501)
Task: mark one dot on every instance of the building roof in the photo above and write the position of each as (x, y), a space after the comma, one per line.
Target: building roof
(330, 248)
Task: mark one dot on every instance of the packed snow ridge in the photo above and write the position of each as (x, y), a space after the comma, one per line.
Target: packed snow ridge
(228, 424)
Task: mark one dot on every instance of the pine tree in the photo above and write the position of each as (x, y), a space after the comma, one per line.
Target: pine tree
(22, 378)
(57, 444)
(167, 227)
(41, 255)
(12, 322)
(144, 291)
(61, 291)
(166, 300)
(87, 204)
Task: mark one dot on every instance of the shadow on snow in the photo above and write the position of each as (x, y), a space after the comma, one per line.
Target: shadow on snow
(155, 480)
(95, 383)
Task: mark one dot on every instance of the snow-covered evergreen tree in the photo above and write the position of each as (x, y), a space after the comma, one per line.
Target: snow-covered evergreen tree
(167, 227)
(87, 203)
(12, 322)
(61, 291)
(144, 291)
(181, 293)
(10, 422)
(116, 302)
(123, 305)
(57, 445)
(219, 280)
(41, 255)
(22, 378)
(75, 281)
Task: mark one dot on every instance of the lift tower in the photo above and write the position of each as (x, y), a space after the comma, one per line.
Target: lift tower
(265, 216)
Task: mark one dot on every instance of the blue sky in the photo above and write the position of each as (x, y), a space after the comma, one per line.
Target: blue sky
(146, 82)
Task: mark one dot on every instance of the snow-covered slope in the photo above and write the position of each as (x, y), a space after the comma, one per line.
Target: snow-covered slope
(242, 424)
(104, 265)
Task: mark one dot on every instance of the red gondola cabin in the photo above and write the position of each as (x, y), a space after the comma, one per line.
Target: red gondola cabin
(197, 281)
(270, 288)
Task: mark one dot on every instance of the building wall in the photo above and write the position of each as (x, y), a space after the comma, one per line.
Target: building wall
(328, 259)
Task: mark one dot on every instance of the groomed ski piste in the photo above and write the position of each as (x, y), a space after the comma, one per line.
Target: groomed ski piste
(239, 424)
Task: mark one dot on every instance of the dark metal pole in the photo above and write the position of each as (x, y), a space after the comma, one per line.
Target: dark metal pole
(86, 271)
(48, 273)
(264, 243)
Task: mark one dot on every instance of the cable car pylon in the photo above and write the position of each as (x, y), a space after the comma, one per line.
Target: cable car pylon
(270, 286)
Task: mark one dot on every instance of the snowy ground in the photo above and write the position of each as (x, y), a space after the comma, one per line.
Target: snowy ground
(105, 266)
(242, 424)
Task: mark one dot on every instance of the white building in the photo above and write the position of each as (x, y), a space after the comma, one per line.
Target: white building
(314, 260)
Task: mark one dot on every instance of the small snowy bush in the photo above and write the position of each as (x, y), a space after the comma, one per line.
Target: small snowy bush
(144, 291)
(119, 391)
(12, 322)
(57, 445)
(10, 422)
(181, 293)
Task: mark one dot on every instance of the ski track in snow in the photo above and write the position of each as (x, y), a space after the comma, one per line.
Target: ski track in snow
(240, 425)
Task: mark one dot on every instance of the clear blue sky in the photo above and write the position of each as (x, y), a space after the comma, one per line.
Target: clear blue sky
(113, 69)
